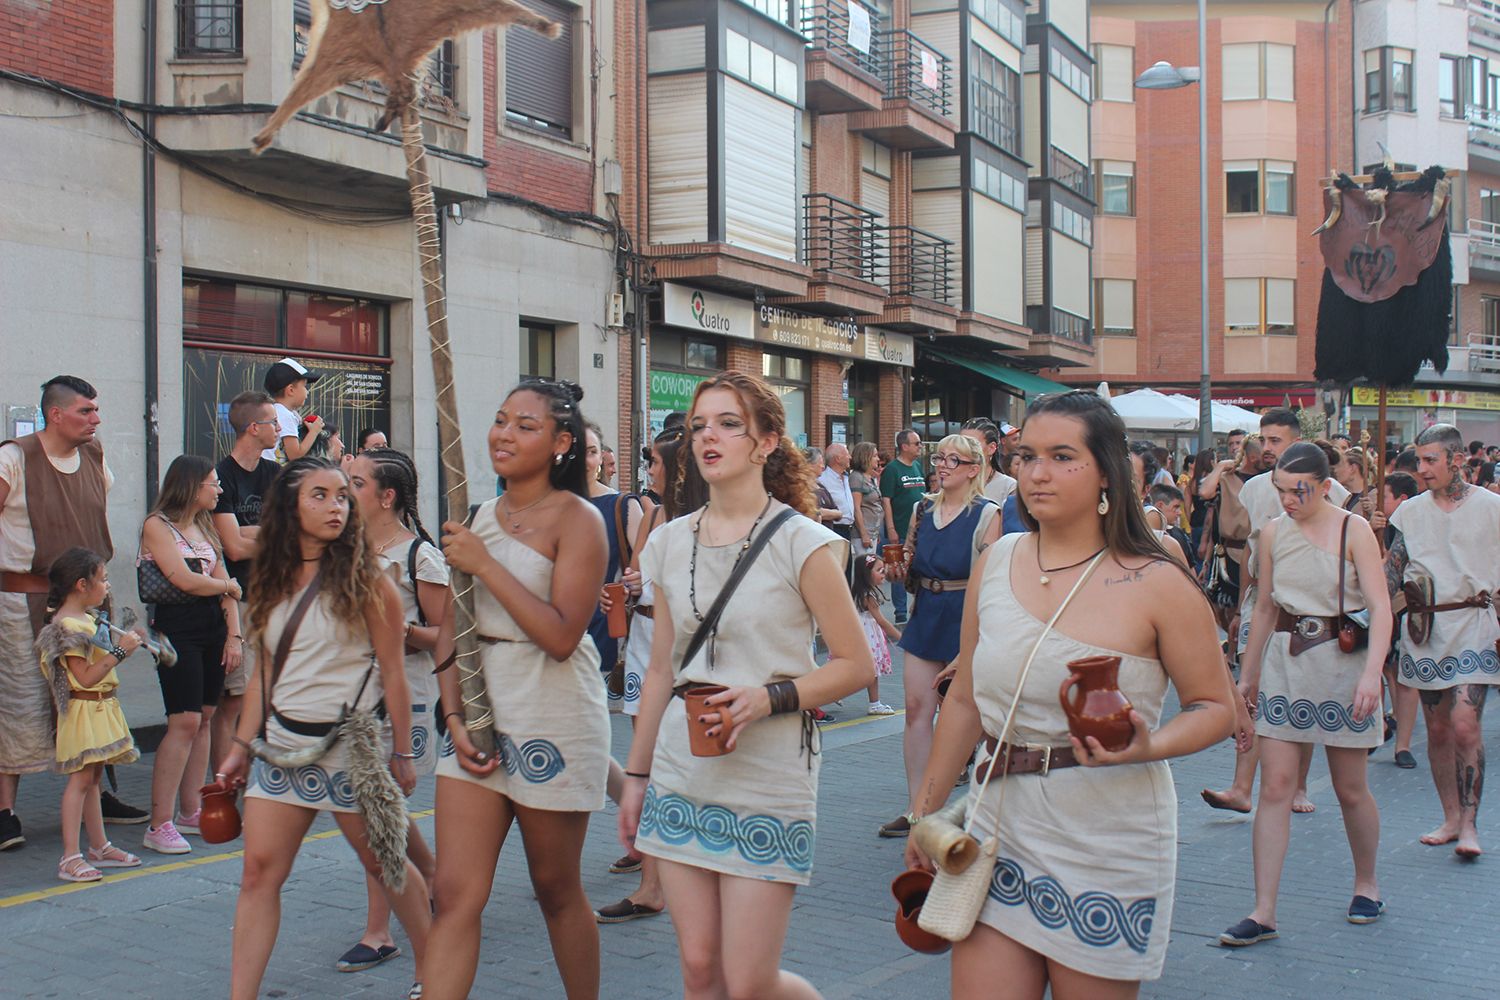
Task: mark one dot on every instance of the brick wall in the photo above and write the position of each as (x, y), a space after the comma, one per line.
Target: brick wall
(1167, 226)
(70, 41)
(526, 168)
(892, 409)
(630, 111)
(826, 399)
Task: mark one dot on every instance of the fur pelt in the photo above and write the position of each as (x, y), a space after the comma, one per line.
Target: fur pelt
(53, 644)
(1386, 342)
(379, 798)
(386, 40)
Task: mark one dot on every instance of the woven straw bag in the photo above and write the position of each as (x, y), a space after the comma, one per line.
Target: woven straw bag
(954, 901)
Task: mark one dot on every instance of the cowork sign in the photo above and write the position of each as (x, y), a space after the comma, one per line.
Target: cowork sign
(709, 312)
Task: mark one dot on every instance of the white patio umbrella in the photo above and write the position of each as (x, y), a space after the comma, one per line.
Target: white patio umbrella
(1228, 417)
(1149, 410)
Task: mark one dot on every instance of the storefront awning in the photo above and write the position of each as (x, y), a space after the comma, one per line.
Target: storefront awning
(1027, 383)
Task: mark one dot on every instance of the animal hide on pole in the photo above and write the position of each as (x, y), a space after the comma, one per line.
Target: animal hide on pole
(1388, 285)
(388, 41)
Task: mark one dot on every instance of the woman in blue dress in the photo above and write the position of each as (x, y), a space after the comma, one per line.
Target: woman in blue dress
(949, 528)
(611, 505)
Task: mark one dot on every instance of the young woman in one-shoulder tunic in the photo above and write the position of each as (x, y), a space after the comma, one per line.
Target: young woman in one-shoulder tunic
(1318, 694)
(733, 834)
(1080, 898)
(537, 560)
(345, 652)
(949, 531)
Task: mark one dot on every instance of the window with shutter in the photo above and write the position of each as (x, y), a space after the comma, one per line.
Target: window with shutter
(539, 72)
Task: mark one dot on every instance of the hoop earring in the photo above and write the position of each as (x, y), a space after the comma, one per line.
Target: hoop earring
(1103, 502)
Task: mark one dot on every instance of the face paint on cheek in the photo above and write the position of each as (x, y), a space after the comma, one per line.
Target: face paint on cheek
(1303, 492)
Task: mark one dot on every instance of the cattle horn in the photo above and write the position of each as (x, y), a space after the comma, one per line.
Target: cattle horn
(1440, 192)
(1333, 213)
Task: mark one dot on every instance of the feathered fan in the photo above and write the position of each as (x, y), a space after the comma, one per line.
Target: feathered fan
(388, 40)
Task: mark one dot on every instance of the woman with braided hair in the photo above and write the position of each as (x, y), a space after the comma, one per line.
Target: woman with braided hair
(385, 488)
(537, 557)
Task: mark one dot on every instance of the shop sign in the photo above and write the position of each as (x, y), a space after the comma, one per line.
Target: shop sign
(890, 347)
(707, 311)
(1454, 399)
(1300, 398)
(669, 392)
(805, 331)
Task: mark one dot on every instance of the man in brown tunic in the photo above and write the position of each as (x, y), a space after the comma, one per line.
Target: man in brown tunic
(53, 488)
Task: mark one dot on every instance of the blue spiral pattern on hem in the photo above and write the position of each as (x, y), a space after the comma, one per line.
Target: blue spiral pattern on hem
(1097, 919)
(536, 761)
(632, 686)
(759, 839)
(1470, 661)
(1329, 716)
(312, 784)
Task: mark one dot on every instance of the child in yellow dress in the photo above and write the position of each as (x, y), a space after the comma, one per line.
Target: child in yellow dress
(91, 729)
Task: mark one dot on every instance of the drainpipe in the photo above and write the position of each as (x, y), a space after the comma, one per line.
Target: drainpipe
(149, 318)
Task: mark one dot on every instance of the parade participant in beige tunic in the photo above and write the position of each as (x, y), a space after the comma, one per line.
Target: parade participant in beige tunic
(1307, 689)
(1279, 430)
(1447, 543)
(733, 834)
(1080, 901)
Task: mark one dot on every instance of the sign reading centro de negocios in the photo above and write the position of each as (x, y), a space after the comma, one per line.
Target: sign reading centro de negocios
(824, 334)
(707, 311)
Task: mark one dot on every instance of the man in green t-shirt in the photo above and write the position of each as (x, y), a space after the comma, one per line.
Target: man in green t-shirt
(901, 486)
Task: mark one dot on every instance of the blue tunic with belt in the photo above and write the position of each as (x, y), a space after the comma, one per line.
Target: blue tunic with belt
(944, 553)
(609, 647)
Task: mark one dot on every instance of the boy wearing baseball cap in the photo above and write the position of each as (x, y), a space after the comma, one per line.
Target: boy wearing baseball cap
(287, 381)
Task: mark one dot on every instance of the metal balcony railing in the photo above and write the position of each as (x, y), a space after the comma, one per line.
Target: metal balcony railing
(1484, 126)
(1484, 244)
(1070, 173)
(840, 237)
(916, 71)
(919, 264)
(831, 27)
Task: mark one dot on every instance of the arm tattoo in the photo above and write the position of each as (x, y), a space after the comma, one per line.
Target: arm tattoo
(1396, 559)
(1192, 706)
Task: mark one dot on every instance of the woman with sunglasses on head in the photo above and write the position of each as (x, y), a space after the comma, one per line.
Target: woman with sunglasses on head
(950, 528)
(732, 835)
(320, 603)
(1080, 895)
(537, 558)
(998, 486)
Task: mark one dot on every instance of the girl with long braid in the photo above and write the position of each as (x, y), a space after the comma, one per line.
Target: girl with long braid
(385, 487)
(537, 557)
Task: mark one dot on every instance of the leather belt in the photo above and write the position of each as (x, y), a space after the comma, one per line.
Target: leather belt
(91, 695)
(23, 583)
(941, 586)
(646, 611)
(1313, 627)
(1025, 760)
(491, 640)
(1232, 543)
(1483, 599)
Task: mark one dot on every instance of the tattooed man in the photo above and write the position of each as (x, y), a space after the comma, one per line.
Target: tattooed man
(1449, 539)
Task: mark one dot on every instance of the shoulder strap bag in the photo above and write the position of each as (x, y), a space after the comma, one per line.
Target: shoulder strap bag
(151, 583)
(268, 678)
(1353, 633)
(710, 623)
(954, 901)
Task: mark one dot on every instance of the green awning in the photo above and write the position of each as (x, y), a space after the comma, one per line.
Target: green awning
(1027, 383)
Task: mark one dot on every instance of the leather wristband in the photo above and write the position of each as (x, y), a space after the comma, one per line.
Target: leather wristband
(118, 652)
(784, 697)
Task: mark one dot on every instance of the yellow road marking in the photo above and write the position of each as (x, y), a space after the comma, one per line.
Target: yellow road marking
(858, 722)
(127, 874)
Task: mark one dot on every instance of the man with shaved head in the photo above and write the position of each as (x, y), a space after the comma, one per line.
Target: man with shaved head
(53, 485)
(1445, 556)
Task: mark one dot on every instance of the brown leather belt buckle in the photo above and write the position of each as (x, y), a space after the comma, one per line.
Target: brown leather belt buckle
(936, 586)
(1046, 767)
(1311, 628)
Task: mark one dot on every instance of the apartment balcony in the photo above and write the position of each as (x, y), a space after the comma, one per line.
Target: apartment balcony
(1060, 340)
(1071, 174)
(731, 269)
(921, 291)
(843, 64)
(220, 53)
(1484, 136)
(918, 96)
(1484, 21)
(848, 250)
(1484, 250)
(992, 332)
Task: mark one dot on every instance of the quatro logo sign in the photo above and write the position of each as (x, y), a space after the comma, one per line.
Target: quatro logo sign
(698, 307)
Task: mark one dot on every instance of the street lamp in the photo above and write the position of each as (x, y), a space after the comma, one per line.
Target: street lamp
(1165, 76)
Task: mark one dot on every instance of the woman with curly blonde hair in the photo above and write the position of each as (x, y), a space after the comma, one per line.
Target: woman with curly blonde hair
(950, 527)
(333, 620)
(733, 834)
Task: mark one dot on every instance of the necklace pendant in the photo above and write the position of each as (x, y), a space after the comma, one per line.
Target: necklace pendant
(1045, 579)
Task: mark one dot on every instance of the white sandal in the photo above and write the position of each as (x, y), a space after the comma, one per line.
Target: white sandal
(110, 856)
(74, 869)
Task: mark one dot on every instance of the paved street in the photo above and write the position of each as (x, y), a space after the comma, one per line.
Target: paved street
(163, 931)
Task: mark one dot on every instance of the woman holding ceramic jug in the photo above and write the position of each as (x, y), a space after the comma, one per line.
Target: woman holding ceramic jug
(733, 831)
(1080, 898)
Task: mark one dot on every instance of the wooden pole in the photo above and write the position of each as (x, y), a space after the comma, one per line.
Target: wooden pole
(1380, 450)
(479, 719)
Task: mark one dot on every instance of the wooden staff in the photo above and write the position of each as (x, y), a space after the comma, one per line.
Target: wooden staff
(1380, 450)
(479, 718)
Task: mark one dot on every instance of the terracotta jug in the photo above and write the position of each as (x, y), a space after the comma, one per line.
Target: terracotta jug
(699, 742)
(910, 889)
(220, 822)
(1097, 708)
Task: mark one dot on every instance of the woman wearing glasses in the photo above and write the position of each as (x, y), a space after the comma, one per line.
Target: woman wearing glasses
(949, 528)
